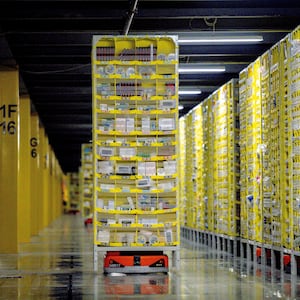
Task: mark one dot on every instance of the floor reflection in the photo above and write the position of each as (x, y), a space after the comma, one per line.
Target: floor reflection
(58, 264)
(145, 284)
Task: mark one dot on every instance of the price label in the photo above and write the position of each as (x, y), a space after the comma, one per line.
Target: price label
(7, 124)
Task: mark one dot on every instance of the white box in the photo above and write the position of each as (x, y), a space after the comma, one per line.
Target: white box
(167, 104)
(111, 204)
(121, 124)
(170, 167)
(146, 124)
(103, 107)
(100, 203)
(150, 168)
(141, 168)
(105, 151)
(129, 124)
(127, 152)
(103, 236)
(166, 124)
(105, 167)
(169, 236)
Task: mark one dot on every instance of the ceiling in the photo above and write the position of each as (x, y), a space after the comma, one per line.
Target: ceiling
(50, 41)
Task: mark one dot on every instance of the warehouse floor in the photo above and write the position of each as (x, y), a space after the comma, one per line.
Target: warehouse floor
(58, 264)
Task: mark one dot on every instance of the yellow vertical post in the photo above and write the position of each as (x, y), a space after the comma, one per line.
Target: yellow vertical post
(51, 200)
(40, 178)
(9, 160)
(46, 182)
(34, 172)
(24, 186)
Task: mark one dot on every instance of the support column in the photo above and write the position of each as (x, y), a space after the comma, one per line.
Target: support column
(24, 212)
(46, 175)
(9, 160)
(34, 168)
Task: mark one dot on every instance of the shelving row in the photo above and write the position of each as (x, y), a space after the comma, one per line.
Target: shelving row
(263, 129)
(86, 180)
(182, 174)
(74, 192)
(135, 140)
(212, 163)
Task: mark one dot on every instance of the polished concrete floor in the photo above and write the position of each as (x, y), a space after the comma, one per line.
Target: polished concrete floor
(58, 264)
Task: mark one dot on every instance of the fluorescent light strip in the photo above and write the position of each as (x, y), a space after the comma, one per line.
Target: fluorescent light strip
(189, 92)
(244, 39)
(180, 107)
(201, 70)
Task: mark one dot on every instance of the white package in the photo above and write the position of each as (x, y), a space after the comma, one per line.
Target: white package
(141, 168)
(129, 124)
(121, 124)
(150, 168)
(166, 124)
(105, 167)
(127, 152)
(103, 236)
(146, 124)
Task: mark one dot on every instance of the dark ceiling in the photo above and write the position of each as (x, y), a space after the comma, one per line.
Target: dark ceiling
(50, 41)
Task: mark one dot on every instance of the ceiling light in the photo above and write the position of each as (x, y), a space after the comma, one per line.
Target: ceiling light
(221, 39)
(201, 69)
(180, 107)
(189, 92)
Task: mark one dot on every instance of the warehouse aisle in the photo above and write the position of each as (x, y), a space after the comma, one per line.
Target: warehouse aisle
(58, 265)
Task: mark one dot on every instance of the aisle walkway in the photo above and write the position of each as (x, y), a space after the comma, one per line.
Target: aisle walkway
(58, 264)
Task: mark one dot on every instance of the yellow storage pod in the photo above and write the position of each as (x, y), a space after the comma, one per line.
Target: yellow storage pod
(86, 180)
(252, 151)
(135, 140)
(182, 172)
(212, 163)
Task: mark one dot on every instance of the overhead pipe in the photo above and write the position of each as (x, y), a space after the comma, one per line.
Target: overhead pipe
(132, 11)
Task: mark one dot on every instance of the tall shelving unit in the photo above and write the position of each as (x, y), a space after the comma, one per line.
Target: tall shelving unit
(86, 180)
(212, 168)
(182, 174)
(198, 178)
(252, 151)
(268, 135)
(293, 147)
(226, 159)
(135, 140)
(74, 198)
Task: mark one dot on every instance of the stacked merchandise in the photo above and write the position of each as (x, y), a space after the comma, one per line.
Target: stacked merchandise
(198, 178)
(73, 182)
(251, 152)
(135, 121)
(189, 159)
(269, 92)
(212, 163)
(272, 146)
(225, 152)
(294, 140)
(182, 175)
(86, 182)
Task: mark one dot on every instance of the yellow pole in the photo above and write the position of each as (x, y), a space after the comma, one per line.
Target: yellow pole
(40, 178)
(34, 172)
(24, 216)
(9, 160)
(51, 186)
(45, 182)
